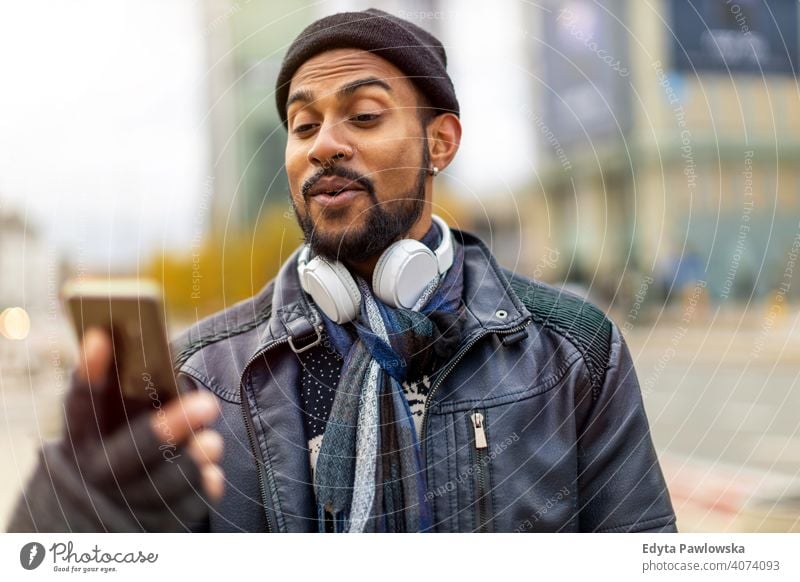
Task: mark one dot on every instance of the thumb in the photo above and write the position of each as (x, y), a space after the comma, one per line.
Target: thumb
(95, 359)
(87, 402)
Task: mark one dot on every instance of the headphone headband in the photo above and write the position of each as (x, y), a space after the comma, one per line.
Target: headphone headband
(401, 274)
(444, 252)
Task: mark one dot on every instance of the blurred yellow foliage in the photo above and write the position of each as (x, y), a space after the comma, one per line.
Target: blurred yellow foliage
(225, 267)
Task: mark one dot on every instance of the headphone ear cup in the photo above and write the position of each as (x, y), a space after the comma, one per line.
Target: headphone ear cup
(402, 273)
(333, 289)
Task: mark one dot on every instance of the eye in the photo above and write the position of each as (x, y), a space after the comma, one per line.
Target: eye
(364, 118)
(304, 128)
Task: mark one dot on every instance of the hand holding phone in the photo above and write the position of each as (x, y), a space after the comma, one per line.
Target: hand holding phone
(181, 422)
(131, 311)
(111, 477)
(125, 353)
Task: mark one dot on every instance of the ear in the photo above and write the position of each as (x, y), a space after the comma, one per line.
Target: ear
(444, 137)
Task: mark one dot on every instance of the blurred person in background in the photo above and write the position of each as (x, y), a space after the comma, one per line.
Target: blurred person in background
(392, 377)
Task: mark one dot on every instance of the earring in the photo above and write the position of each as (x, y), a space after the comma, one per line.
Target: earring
(434, 171)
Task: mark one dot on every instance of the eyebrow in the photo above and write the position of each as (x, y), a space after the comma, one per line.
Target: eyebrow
(343, 92)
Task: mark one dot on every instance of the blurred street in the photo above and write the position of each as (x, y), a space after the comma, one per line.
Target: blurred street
(29, 414)
(721, 395)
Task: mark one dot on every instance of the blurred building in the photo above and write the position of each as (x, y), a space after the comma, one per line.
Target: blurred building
(606, 142)
(29, 304)
(669, 143)
(24, 262)
(246, 41)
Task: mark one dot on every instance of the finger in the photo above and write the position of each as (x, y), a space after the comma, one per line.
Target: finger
(87, 407)
(183, 416)
(95, 358)
(206, 447)
(213, 481)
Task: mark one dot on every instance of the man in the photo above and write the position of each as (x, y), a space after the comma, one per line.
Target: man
(392, 377)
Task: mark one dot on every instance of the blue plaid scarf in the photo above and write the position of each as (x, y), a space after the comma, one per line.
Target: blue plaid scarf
(369, 474)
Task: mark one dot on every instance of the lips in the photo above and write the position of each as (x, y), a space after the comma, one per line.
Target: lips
(333, 187)
(335, 192)
(337, 199)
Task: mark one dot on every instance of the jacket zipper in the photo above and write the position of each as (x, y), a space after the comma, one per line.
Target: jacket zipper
(481, 445)
(251, 435)
(448, 368)
(452, 364)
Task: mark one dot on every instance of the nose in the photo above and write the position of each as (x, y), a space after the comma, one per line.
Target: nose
(329, 147)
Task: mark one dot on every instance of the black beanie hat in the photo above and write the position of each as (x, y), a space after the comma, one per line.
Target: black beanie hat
(414, 51)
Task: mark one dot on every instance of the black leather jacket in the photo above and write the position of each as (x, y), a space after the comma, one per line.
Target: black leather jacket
(567, 443)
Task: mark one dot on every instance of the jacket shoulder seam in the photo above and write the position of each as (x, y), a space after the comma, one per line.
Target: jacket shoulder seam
(583, 324)
(209, 384)
(183, 354)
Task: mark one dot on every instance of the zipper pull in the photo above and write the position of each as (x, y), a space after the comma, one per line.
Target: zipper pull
(480, 433)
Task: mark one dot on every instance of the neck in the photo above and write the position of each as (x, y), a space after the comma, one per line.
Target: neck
(363, 268)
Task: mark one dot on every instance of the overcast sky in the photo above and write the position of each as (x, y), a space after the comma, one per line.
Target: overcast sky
(102, 137)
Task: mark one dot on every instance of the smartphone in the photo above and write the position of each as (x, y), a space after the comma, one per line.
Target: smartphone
(131, 311)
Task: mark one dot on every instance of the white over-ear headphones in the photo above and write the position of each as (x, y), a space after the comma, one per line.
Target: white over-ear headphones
(401, 275)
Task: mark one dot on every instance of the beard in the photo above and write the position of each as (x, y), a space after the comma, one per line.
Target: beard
(383, 223)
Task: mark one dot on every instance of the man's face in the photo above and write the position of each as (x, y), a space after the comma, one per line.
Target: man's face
(356, 155)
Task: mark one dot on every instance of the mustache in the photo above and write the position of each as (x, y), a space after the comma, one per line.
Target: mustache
(341, 172)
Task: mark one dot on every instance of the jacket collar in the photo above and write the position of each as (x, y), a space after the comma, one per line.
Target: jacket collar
(491, 304)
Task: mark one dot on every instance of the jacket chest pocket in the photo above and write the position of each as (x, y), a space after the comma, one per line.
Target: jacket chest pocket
(504, 468)
(460, 450)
